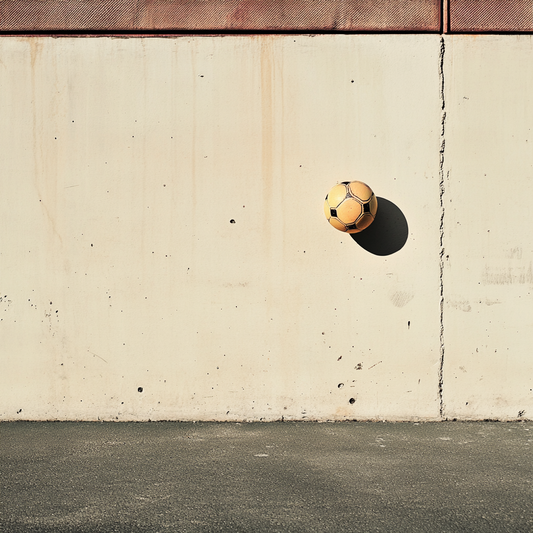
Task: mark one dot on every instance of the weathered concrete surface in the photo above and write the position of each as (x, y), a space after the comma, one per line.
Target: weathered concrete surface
(164, 254)
(301, 477)
(488, 243)
(124, 162)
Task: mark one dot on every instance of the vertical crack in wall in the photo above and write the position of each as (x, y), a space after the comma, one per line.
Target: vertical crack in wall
(442, 191)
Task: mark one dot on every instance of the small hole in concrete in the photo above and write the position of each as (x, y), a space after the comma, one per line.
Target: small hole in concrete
(232, 221)
(140, 389)
(340, 385)
(352, 400)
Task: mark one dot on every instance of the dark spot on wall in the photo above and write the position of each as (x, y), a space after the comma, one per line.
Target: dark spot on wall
(340, 385)
(352, 400)
(140, 389)
(521, 413)
(232, 221)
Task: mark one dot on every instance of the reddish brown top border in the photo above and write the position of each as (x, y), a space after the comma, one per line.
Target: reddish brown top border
(483, 16)
(220, 15)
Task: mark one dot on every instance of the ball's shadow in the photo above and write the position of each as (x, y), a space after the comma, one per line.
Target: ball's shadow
(387, 234)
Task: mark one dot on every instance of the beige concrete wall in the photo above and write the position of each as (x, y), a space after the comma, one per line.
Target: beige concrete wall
(488, 276)
(125, 161)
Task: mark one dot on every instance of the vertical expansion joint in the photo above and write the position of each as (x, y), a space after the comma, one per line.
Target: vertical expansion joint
(441, 73)
(442, 191)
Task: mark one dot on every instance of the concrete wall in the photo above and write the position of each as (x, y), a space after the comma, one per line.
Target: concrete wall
(164, 253)
(488, 272)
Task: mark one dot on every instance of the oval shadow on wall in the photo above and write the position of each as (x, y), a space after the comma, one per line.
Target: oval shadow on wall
(387, 234)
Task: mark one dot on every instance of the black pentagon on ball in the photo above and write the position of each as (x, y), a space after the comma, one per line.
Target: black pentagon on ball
(333, 212)
(351, 226)
(366, 207)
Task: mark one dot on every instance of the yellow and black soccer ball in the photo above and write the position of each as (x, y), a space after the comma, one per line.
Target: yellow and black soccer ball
(351, 206)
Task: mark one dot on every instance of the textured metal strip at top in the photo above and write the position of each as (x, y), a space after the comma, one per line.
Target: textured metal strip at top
(491, 15)
(220, 15)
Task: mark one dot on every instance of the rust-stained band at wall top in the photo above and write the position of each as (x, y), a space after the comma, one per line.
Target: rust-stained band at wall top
(477, 16)
(219, 15)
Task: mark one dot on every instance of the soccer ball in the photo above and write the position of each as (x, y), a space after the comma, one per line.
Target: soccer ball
(351, 206)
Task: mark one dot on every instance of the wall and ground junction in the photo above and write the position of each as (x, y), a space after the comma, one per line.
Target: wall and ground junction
(164, 254)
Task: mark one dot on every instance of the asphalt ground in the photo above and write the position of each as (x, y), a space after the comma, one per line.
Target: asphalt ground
(263, 477)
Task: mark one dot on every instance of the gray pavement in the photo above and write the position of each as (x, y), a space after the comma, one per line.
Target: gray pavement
(292, 476)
